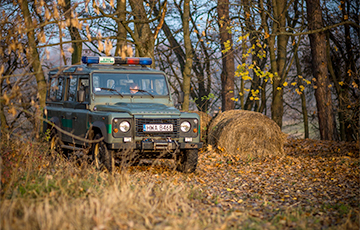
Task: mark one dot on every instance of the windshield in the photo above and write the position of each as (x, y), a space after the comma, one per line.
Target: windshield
(130, 84)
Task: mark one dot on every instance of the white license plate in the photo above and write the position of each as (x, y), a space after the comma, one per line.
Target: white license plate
(158, 128)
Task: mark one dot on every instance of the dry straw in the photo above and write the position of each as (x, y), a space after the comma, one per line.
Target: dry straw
(246, 134)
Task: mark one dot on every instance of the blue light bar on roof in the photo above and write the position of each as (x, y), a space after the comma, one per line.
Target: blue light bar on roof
(117, 60)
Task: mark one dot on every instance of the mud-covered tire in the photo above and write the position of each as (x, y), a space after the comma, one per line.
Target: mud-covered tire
(103, 158)
(187, 161)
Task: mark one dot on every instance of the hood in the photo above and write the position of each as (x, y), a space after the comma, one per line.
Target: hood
(139, 108)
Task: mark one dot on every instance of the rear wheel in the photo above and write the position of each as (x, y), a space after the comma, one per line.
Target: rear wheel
(102, 156)
(187, 161)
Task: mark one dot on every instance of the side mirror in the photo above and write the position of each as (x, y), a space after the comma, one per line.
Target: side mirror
(181, 97)
(81, 95)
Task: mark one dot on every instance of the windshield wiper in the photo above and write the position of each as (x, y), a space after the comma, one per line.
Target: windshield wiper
(144, 91)
(111, 90)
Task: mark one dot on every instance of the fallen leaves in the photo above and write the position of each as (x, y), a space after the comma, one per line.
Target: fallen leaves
(314, 176)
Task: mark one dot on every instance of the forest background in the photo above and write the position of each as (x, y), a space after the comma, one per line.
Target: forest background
(297, 62)
(294, 61)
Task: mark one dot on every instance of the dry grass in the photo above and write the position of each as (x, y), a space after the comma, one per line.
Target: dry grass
(246, 134)
(42, 192)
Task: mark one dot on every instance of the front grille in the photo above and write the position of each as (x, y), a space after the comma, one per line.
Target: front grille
(142, 121)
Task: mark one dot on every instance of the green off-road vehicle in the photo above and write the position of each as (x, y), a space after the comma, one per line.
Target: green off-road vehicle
(116, 109)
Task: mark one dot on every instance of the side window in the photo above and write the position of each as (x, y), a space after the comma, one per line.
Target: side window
(56, 89)
(160, 86)
(110, 83)
(72, 88)
(84, 85)
(96, 83)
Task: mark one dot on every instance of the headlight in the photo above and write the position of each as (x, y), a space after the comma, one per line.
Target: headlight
(124, 126)
(185, 126)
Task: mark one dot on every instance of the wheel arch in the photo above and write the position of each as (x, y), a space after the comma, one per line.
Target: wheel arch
(53, 121)
(98, 127)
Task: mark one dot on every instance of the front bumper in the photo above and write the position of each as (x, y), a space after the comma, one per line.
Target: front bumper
(155, 145)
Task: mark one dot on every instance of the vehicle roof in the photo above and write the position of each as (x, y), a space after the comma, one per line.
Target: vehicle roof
(87, 69)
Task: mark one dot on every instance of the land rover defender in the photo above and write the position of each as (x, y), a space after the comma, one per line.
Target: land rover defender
(111, 108)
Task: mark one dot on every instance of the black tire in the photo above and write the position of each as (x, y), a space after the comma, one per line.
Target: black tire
(187, 161)
(102, 156)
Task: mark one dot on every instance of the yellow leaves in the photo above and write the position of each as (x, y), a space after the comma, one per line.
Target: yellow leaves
(285, 84)
(6, 99)
(221, 149)
(70, 49)
(330, 85)
(308, 82)
(41, 36)
(293, 83)
(349, 72)
(341, 83)
(354, 84)
(278, 88)
(234, 99)
(108, 46)
(12, 111)
(47, 14)
(230, 189)
(266, 35)
(227, 46)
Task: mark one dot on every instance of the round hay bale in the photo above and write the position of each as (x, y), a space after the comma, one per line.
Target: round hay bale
(246, 134)
(204, 123)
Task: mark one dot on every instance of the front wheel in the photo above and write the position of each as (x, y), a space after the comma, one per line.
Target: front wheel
(102, 156)
(187, 161)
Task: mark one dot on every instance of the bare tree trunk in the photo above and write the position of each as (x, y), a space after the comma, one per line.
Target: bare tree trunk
(320, 71)
(302, 95)
(2, 114)
(121, 46)
(228, 71)
(145, 41)
(277, 106)
(189, 56)
(34, 59)
(74, 34)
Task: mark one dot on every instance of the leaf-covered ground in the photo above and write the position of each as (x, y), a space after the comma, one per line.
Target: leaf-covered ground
(314, 185)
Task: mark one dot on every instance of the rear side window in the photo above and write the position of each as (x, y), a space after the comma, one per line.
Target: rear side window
(56, 92)
(72, 88)
(84, 85)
